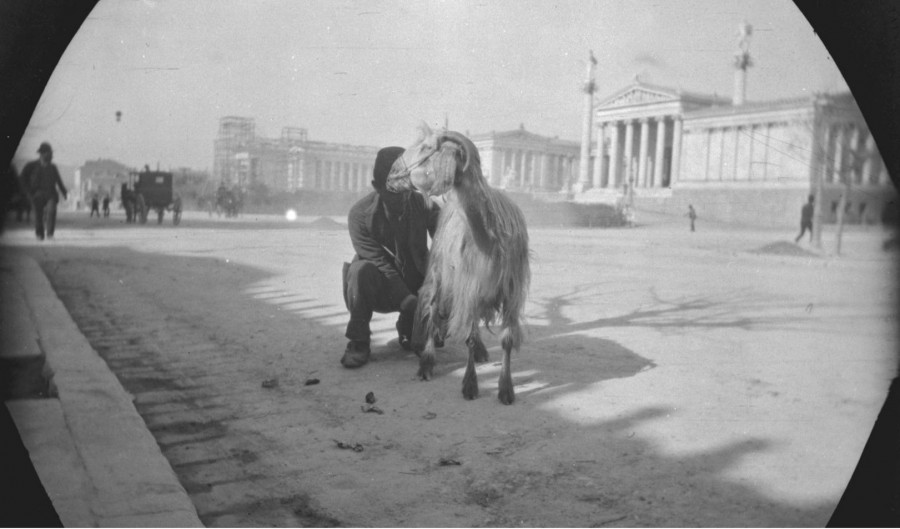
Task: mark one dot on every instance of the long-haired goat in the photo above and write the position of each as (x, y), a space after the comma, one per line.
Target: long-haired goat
(478, 268)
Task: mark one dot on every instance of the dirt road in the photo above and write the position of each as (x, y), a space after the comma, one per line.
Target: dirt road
(669, 378)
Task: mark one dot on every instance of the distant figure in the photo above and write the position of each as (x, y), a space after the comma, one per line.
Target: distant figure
(806, 216)
(95, 206)
(692, 215)
(106, 205)
(128, 200)
(42, 179)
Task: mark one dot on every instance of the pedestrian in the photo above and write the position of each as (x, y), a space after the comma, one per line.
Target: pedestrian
(106, 205)
(389, 232)
(42, 179)
(806, 216)
(95, 206)
(692, 215)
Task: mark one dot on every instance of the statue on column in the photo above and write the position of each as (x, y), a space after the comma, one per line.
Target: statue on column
(742, 55)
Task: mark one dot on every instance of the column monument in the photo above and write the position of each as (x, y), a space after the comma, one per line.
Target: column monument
(741, 63)
(585, 163)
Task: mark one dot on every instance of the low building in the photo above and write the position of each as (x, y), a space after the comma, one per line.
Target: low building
(519, 160)
(290, 162)
(99, 177)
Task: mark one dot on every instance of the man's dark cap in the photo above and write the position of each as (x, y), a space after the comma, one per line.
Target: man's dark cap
(383, 162)
(45, 147)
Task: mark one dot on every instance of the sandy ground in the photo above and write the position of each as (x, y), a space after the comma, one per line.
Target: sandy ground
(720, 378)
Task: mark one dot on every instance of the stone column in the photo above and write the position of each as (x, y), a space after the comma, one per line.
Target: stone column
(660, 152)
(629, 149)
(856, 161)
(598, 158)
(869, 177)
(542, 183)
(614, 156)
(676, 150)
(838, 169)
(586, 126)
(642, 160)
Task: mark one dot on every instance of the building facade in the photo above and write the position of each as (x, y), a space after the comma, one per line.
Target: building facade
(519, 160)
(752, 163)
(100, 177)
(290, 162)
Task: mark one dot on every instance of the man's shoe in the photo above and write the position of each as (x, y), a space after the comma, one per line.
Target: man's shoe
(404, 331)
(356, 354)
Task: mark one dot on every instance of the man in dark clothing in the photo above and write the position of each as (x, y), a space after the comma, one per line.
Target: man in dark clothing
(389, 231)
(95, 206)
(806, 216)
(41, 178)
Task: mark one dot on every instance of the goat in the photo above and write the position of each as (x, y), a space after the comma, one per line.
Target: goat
(478, 267)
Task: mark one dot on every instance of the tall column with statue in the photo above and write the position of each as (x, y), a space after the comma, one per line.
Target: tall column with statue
(741, 63)
(585, 163)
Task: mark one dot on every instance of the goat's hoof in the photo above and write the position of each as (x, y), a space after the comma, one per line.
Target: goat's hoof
(507, 394)
(470, 389)
(506, 397)
(426, 368)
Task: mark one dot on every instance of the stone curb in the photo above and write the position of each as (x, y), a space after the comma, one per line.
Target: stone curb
(98, 462)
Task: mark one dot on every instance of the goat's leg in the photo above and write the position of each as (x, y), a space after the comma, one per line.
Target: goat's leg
(470, 379)
(510, 339)
(427, 359)
(477, 347)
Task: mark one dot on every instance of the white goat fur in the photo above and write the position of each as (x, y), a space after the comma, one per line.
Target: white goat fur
(478, 268)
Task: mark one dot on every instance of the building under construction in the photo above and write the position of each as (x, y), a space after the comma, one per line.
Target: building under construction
(288, 163)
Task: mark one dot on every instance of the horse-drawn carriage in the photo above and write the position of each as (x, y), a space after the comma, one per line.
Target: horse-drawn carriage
(152, 191)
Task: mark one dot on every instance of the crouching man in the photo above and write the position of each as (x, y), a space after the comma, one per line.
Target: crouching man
(389, 231)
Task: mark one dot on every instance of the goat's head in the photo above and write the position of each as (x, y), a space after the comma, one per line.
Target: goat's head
(435, 161)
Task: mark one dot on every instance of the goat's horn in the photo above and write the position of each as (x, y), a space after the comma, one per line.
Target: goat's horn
(467, 145)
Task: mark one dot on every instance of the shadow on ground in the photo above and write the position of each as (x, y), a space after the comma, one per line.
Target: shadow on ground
(629, 480)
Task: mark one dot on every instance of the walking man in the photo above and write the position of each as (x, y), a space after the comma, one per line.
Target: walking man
(806, 216)
(42, 179)
(692, 215)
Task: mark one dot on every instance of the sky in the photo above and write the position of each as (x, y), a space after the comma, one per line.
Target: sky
(368, 72)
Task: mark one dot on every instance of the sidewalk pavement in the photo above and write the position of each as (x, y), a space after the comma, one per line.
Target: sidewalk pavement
(97, 461)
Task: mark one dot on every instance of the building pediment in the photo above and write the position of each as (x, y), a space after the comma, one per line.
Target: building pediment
(519, 135)
(639, 95)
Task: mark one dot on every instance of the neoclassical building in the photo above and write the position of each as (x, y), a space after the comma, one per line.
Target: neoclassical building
(755, 162)
(734, 160)
(518, 160)
(287, 163)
